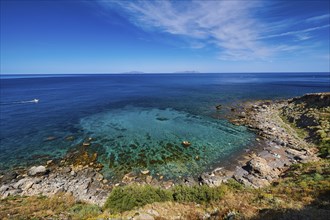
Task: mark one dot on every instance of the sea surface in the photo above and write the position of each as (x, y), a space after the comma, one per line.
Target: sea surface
(136, 121)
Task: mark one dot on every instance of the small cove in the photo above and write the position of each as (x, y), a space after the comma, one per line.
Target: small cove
(136, 121)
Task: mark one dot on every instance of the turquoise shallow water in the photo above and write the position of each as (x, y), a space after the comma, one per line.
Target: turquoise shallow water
(137, 139)
(136, 121)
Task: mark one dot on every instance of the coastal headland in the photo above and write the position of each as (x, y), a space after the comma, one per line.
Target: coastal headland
(289, 133)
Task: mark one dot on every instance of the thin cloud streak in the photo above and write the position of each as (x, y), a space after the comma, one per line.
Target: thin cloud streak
(296, 32)
(318, 18)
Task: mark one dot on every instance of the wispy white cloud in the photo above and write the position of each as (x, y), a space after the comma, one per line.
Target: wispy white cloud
(230, 26)
(226, 24)
(318, 18)
(303, 36)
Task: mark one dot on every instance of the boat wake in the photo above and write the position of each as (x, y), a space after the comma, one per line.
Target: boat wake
(20, 102)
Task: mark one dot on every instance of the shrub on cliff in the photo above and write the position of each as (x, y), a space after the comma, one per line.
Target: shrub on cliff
(199, 194)
(84, 211)
(126, 198)
(324, 148)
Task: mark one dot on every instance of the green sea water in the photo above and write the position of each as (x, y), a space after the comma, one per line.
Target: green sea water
(136, 139)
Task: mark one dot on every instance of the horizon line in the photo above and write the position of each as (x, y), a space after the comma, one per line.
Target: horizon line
(145, 73)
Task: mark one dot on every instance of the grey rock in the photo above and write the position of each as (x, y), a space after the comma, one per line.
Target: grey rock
(168, 184)
(4, 188)
(207, 216)
(9, 176)
(153, 212)
(260, 166)
(239, 173)
(39, 170)
(242, 180)
(98, 177)
(258, 182)
(212, 180)
(148, 179)
(27, 185)
(128, 178)
(12, 192)
(59, 190)
(85, 184)
(189, 181)
(143, 216)
(66, 169)
(20, 183)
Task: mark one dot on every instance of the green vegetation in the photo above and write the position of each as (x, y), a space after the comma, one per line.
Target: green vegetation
(198, 194)
(325, 149)
(128, 197)
(299, 131)
(309, 116)
(34, 207)
(84, 211)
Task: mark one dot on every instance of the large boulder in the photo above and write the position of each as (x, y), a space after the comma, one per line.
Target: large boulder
(259, 166)
(212, 180)
(39, 170)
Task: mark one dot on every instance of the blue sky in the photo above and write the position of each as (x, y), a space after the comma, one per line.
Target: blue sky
(106, 36)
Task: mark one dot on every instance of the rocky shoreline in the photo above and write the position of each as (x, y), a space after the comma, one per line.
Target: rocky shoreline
(82, 183)
(79, 174)
(282, 146)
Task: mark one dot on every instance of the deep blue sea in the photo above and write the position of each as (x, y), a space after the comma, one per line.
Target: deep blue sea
(136, 121)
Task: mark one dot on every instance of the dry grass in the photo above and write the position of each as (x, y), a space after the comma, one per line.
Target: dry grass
(60, 206)
(35, 207)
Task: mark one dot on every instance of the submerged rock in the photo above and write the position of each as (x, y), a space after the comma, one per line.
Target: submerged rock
(50, 138)
(69, 138)
(218, 107)
(162, 119)
(145, 172)
(185, 143)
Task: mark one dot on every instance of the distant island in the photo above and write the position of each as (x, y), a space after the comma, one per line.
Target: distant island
(188, 71)
(134, 72)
